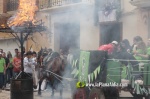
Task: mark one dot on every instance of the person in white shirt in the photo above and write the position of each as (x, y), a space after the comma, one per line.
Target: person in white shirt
(29, 63)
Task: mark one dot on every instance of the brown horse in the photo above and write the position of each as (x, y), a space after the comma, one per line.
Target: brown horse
(53, 67)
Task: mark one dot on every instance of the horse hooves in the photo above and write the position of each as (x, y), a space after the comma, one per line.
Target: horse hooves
(39, 93)
(35, 87)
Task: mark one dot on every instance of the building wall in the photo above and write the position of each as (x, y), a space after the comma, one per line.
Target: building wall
(2, 6)
(126, 6)
(142, 26)
(9, 45)
(133, 23)
(89, 33)
(36, 41)
(39, 41)
(132, 20)
(129, 26)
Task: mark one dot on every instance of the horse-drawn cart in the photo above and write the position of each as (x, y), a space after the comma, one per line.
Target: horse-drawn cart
(102, 78)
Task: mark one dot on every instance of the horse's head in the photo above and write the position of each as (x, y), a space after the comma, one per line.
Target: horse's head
(54, 62)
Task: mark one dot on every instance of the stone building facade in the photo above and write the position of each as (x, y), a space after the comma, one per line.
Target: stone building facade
(86, 24)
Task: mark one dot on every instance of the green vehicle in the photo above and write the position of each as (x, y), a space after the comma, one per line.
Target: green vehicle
(102, 78)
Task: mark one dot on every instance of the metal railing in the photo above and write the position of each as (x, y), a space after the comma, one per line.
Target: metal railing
(53, 3)
(12, 5)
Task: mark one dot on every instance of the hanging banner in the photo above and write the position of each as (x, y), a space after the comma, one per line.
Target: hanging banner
(83, 66)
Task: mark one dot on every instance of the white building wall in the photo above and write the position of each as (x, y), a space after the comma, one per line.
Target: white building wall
(129, 27)
(133, 22)
(126, 6)
(9, 45)
(89, 33)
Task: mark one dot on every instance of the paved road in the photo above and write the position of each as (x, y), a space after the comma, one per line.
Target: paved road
(45, 95)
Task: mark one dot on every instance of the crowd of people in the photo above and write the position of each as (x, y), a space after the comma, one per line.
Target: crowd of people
(139, 49)
(136, 55)
(10, 66)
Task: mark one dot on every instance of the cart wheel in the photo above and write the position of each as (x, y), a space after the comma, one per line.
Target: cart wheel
(135, 96)
(147, 97)
(138, 97)
(80, 94)
(111, 92)
(96, 93)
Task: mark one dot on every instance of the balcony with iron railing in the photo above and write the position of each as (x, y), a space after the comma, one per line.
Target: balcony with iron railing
(54, 4)
(12, 5)
(141, 3)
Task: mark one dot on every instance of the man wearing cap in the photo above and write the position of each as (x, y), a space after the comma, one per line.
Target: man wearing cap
(109, 47)
(2, 70)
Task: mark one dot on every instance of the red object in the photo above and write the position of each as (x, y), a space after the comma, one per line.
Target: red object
(17, 63)
(107, 47)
